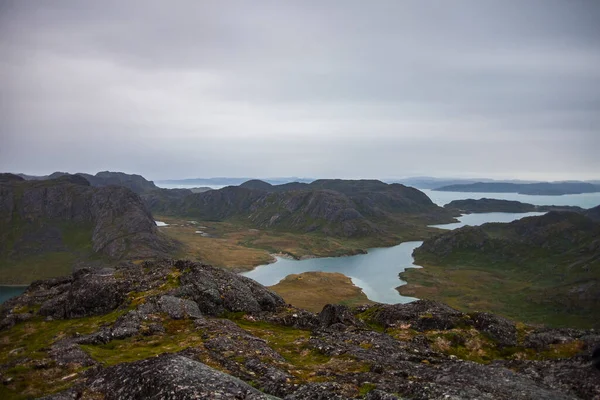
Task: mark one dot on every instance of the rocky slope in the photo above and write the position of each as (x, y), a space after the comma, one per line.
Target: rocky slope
(593, 213)
(340, 208)
(181, 330)
(485, 205)
(67, 217)
(552, 263)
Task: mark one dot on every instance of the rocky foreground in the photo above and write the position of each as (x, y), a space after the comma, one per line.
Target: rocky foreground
(182, 330)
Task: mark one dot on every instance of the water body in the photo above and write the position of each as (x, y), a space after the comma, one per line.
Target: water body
(584, 200)
(186, 186)
(479, 219)
(376, 273)
(7, 292)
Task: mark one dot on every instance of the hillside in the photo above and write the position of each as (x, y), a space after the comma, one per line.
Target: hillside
(340, 208)
(593, 213)
(542, 188)
(47, 227)
(182, 330)
(538, 269)
(136, 183)
(509, 206)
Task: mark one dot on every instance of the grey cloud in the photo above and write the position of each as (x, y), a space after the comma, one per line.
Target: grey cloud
(339, 88)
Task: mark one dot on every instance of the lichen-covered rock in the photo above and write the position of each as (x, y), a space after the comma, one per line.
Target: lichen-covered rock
(216, 290)
(503, 331)
(336, 314)
(89, 293)
(168, 376)
(178, 308)
(319, 391)
(422, 315)
(196, 289)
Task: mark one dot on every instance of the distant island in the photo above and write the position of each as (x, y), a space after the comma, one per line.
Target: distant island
(541, 188)
(485, 205)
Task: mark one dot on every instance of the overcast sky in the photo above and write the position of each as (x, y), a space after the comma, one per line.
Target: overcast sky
(351, 89)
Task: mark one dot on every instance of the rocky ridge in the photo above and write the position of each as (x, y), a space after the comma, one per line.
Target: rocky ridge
(341, 208)
(182, 330)
(68, 215)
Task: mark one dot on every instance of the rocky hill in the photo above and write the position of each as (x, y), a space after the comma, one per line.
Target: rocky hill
(485, 205)
(56, 223)
(544, 268)
(181, 330)
(593, 213)
(342, 208)
(136, 183)
(540, 188)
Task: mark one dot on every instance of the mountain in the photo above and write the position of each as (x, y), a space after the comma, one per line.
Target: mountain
(544, 268)
(136, 183)
(183, 330)
(509, 206)
(225, 181)
(428, 182)
(57, 223)
(593, 213)
(342, 208)
(542, 188)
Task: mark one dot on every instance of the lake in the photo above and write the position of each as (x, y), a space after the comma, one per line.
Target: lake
(376, 272)
(6, 292)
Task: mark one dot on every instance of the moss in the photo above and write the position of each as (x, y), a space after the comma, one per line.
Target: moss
(32, 340)
(369, 318)
(366, 388)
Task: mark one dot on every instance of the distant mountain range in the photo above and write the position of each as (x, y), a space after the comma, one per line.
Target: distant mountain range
(424, 182)
(225, 181)
(335, 207)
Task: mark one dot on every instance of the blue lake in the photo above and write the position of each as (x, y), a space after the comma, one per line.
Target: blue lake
(6, 292)
(376, 273)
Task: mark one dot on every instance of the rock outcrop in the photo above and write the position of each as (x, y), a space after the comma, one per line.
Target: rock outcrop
(179, 330)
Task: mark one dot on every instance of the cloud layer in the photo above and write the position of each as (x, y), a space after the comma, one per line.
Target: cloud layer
(307, 88)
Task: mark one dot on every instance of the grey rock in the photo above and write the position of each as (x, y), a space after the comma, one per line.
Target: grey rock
(169, 376)
(178, 308)
(503, 331)
(336, 314)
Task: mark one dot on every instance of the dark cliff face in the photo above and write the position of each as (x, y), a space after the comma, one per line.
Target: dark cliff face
(335, 207)
(179, 330)
(48, 216)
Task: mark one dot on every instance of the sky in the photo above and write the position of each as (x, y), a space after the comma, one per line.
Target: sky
(338, 88)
